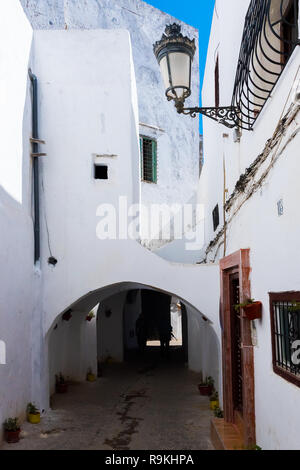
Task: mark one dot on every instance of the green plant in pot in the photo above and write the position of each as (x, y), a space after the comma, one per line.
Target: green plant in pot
(90, 316)
(206, 388)
(218, 413)
(295, 307)
(61, 385)
(12, 430)
(214, 401)
(33, 414)
(251, 309)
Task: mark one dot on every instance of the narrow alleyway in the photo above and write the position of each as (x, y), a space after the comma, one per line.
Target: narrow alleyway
(154, 404)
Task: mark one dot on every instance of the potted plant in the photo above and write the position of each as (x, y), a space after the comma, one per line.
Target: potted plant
(90, 377)
(214, 401)
(251, 308)
(12, 430)
(218, 413)
(33, 414)
(90, 316)
(295, 307)
(61, 385)
(206, 388)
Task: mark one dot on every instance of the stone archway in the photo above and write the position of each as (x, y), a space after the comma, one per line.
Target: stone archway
(69, 340)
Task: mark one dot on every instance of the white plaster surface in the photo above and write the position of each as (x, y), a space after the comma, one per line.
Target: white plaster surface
(73, 348)
(110, 336)
(79, 92)
(177, 137)
(19, 290)
(273, 240)
(69, 114)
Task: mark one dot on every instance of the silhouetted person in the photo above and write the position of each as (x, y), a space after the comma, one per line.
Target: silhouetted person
(141, 332)
(165, 335)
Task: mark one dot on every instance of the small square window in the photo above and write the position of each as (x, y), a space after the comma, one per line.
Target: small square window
(100, 172)
(216, 217)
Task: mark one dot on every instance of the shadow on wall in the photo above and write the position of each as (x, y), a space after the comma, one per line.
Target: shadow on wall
(72, 346)
(204, 347)
(110, 336)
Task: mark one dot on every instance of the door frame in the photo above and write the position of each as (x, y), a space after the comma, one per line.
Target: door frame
(238, 262)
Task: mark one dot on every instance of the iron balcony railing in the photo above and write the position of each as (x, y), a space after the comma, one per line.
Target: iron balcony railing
(270, 37)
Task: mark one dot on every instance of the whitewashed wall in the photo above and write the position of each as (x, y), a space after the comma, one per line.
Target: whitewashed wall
(110, 333)
(177, 136)
(79, 92)
(273, 240)
(20, 285)
(73, 348)
(71, 117)
(132, 311)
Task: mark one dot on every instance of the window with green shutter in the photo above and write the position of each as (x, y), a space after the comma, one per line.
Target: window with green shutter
(148, 159)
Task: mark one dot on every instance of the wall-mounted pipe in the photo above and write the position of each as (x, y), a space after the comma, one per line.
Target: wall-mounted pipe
(35, 150)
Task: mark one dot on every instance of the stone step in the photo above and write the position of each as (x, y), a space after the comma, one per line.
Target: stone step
(226, 436)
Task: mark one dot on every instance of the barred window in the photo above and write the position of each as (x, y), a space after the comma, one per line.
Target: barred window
(285, 328)
(148, 149)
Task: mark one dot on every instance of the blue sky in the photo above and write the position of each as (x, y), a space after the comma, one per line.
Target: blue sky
(197, 13)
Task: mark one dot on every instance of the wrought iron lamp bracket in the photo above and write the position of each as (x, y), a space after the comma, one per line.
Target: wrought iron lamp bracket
(226, 115)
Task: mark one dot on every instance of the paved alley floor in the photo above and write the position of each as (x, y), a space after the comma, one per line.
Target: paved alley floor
(153, 405)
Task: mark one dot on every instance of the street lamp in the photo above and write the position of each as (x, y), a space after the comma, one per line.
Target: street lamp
(175, 54)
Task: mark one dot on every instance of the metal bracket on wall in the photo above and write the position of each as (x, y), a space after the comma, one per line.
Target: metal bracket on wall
(226, 115)
(37, 141)
(38, 155)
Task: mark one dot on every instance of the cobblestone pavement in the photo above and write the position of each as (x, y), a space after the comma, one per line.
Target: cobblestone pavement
(154, 405)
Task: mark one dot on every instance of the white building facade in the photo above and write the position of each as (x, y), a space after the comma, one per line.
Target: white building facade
(173, 175)
(54, 274)
(99, 90)
(250, 176)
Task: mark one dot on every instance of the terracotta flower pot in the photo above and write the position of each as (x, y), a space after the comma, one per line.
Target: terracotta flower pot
(205, 390)
(253, 311)
(61, 388)
(12, 436)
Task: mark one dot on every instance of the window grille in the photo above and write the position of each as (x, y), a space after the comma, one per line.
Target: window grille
(285, 326)
(148, 149)
(269, 38)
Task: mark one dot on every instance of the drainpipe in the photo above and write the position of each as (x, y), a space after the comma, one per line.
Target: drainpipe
(35, 153)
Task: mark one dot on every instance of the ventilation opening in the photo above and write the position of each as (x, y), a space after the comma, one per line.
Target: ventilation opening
(101, 172)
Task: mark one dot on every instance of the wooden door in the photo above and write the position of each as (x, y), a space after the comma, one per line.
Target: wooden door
(236, 344)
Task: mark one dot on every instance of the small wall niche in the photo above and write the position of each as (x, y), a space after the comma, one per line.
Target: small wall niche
(100, 172)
